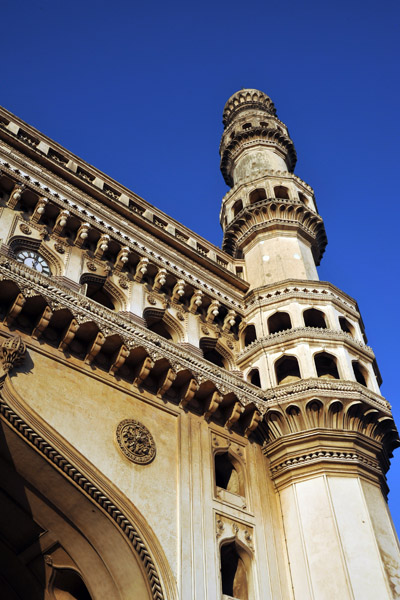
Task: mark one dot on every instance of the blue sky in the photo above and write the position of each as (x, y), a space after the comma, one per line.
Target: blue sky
(138, 90)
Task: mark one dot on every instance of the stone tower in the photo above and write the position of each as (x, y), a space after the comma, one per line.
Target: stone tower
(181, 421)
(328, 455)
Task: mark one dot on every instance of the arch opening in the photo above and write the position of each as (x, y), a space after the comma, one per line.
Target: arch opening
(234, 577)
(237, 207)
(326, 366)
(249, 335)
(360, 373)
(346, 326)
(227, 476)
(254, 377)
(280, 321)
(314, 318)
(281, 192)
(287, 370)
(257, 195)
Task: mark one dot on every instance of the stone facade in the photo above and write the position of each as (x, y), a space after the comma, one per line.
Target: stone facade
(181, 421)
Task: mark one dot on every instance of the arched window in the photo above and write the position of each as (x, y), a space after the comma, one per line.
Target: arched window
(154, 321)
(227, 475)
(211, 353)
(234, 578)
(281, 192)
(360, 373)
(257, 195)
(161, 329)
(249, 335)
(302, 198)
(346, 326)
(96, 292)
(237, 207)
(325, 365)
(214, 357)
(279, 321)
(287, 370)
(314, 318)
(254, 377)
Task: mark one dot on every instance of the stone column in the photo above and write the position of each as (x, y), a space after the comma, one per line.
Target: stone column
(327, 458)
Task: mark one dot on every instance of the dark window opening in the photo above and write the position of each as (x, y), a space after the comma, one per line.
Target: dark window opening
(254, 377)
(233, 573)
(281, 192)
(250, 335)
(160, 328)
(287, 370)
(98, 294)
(359, 373)
(257, 195)
(226, 476)
(325, 365)
(69, 585)
(280, 321)
(345, 326)
(302, 198)
(314, 318)
(214, 356)
(237, 207)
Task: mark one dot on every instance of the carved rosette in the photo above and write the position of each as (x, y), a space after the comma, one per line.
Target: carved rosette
(12, 353)
(136, 441)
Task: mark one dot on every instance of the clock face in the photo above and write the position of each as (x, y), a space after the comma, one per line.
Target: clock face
(32, 259)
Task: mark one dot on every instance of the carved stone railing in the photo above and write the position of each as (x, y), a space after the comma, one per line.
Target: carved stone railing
(308, 333)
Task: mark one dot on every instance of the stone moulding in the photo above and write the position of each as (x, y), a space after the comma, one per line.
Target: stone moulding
(105, 226)
(108, 322)
(132, 335)
(309, 432)
(268, 173)
(87, 487)
(274, 213)
(305, 290)
(311, 333)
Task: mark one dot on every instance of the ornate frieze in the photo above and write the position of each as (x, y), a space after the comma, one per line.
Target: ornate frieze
(108, 322)
(304, 333)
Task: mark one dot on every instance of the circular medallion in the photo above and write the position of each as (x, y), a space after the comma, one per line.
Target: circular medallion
(136, 441)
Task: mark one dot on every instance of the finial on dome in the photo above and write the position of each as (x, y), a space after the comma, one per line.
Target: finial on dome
(247, 99)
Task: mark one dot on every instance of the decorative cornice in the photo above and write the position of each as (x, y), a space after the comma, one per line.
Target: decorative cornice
(317, 291)
(327, 388)
(252, 181)
(265, 136)
(85, 208)
(272, 214)
(301, 333)
(83, 309)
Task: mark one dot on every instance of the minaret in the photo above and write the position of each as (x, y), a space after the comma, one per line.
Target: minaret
(328, 432)
(269, 214)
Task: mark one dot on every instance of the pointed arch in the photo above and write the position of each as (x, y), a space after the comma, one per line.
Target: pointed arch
(91, 516)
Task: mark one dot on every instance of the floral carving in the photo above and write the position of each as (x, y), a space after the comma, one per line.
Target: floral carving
(25, 229)
(151, 299)
(91, 266)
(123, 283)
(12, 352)
(136, 441)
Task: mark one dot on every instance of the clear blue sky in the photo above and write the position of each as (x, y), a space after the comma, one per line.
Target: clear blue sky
(138, 90)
